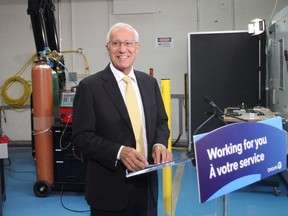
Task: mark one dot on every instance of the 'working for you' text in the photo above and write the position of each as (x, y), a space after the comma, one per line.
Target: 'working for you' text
(230, 149)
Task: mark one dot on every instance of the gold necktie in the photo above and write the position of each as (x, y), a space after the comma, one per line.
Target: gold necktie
(134, 113)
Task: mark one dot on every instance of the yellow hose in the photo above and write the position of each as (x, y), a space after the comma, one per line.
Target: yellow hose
(18, 102)
(80, 51)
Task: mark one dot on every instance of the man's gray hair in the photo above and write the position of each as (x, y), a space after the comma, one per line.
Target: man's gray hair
(121, 26)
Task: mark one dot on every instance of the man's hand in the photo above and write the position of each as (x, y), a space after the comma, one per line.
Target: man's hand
(132, 159)
(161, 154)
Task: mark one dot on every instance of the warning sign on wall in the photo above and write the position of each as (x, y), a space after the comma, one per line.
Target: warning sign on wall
(164, 42)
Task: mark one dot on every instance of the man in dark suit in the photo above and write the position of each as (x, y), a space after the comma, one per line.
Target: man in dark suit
(103, 132)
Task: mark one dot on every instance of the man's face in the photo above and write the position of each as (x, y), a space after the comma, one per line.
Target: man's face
(121, 55)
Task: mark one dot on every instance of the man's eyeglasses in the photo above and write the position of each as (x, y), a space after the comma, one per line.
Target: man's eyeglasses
(117, 44)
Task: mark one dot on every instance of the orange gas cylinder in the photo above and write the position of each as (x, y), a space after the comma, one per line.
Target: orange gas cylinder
(43, 119)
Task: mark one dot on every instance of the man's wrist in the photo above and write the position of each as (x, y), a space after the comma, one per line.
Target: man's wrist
(156, 144)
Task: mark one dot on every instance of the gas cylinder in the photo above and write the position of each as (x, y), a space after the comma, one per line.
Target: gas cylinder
(43, 120)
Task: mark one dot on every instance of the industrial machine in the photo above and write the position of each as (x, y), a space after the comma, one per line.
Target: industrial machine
(58, 165)
(66, 107)
(277, 58)
(277, 68)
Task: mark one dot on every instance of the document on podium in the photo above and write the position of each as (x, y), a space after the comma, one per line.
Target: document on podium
(154, 167)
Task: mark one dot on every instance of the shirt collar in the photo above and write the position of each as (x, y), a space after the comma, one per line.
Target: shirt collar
(119, 75)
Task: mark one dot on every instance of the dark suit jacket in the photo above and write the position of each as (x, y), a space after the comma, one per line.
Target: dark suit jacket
(101, 125)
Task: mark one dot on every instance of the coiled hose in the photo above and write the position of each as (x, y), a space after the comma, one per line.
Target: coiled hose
(16, 102)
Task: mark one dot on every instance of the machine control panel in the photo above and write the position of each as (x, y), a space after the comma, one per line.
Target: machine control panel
(66, 107)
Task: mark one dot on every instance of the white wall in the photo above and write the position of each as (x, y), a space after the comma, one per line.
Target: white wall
(84, 24)
(17, 46)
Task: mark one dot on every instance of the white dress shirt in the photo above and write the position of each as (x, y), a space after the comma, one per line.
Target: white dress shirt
(122, 86)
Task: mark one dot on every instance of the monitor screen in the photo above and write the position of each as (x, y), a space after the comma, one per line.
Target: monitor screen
(67, 99)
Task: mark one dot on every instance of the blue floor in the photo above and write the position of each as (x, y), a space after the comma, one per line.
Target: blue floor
(20, 176)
